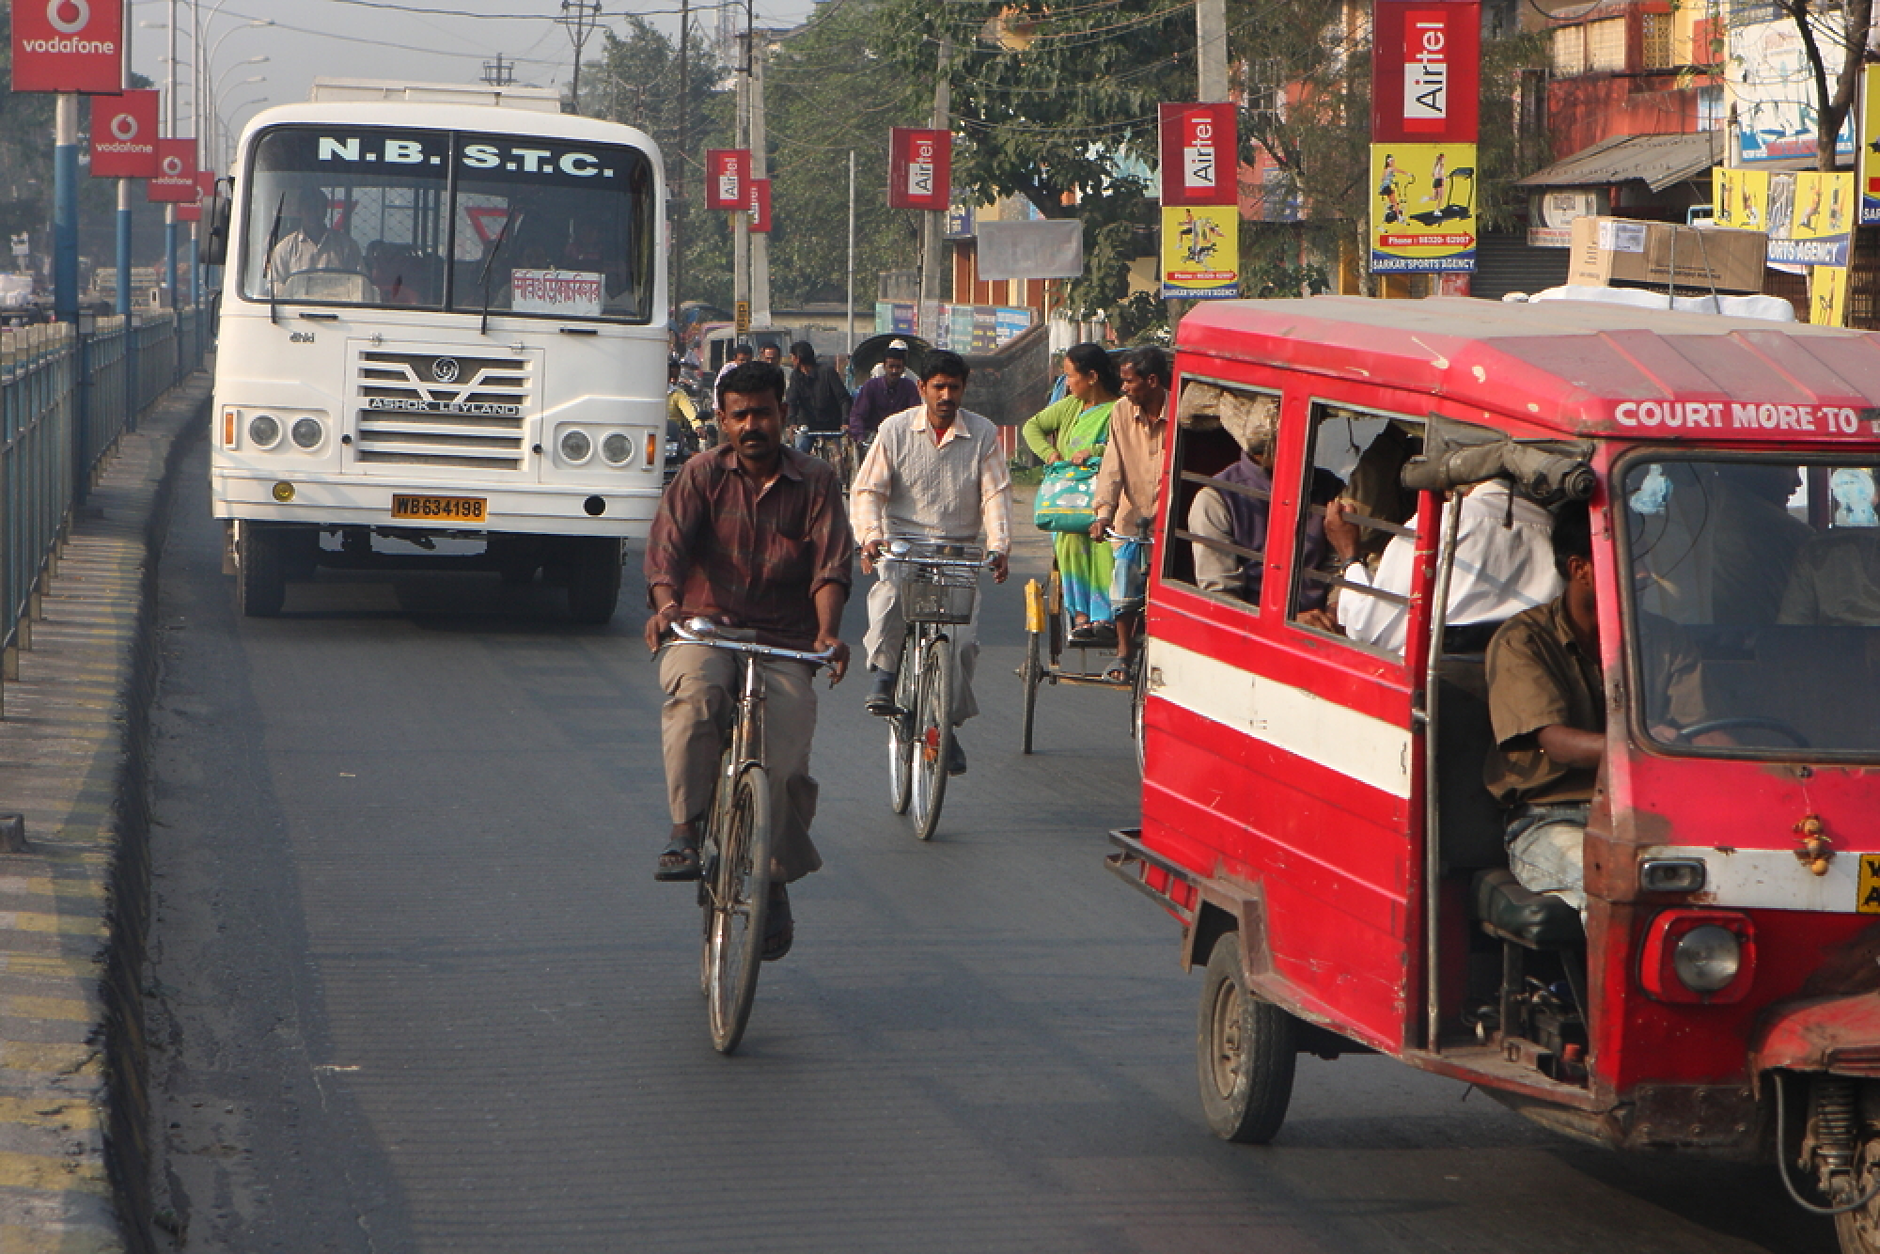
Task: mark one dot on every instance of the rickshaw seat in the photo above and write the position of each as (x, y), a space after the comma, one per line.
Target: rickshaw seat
(1530, 919)
(1471, 821)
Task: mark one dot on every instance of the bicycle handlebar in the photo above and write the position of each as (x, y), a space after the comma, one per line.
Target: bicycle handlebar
(704, 631)
(902, 549)
(1111, 533)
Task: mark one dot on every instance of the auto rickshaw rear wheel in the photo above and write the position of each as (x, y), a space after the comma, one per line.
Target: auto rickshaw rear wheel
(1245, 1050)
(1859, 1229)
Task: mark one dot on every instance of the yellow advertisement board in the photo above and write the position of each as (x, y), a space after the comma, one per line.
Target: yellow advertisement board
(1422, 208)
(1200, 252)
(1822, 204)
(1827, 295)
(1740, 198)
(1869, 154)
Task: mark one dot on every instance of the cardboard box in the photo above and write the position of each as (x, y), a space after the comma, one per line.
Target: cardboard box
(1609, 251)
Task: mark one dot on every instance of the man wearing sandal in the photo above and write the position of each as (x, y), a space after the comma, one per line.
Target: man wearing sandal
(751, 534)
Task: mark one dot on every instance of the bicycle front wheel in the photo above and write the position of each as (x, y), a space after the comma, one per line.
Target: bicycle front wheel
(901, 726)
(737, 907)
(933, 734)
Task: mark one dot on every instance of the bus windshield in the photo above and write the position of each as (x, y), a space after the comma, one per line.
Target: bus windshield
(449, 220)
(1755, 603)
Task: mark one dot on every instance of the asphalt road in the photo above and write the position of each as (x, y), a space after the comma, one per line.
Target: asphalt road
(415, 989)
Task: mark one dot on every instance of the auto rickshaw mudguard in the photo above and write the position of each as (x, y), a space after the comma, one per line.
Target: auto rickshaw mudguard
(1833, 1034)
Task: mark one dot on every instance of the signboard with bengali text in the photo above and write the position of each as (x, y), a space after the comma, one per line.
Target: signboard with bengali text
(570, 293)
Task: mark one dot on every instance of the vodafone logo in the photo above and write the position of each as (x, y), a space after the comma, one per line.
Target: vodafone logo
(172, 167)
(124, 127)
(68, 17)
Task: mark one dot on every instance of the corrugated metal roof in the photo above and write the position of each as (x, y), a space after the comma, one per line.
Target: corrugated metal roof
(1578, 367)
(1656, 160)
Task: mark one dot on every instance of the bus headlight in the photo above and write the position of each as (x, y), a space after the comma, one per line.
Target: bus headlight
(1698, 956)
(1707, 958)
(264, 430)
(307, 433)
(616, 448)
(575, 446)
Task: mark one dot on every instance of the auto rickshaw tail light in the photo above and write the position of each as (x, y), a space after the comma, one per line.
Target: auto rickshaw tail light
(1698, 957)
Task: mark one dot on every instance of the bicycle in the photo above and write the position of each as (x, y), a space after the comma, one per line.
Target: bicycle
(839, 451)
(938, 591)
(734, 848)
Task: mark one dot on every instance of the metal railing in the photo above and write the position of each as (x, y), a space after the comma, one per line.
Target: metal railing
(66, 395)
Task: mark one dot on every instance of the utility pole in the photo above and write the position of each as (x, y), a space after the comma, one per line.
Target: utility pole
(1211, 50)
(169, 131)
(579, 16)
(928, 315)
(851, 252)
(122, 306)
(760, 242)
(740, 220)
(677, 192)
(497, 74)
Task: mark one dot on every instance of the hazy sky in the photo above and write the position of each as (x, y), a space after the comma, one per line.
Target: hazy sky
(360, 39)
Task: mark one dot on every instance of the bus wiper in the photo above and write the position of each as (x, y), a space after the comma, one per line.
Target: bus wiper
(267, 265)
(483, 280)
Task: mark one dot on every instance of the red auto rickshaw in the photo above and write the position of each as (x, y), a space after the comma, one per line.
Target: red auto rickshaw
(1314, 810)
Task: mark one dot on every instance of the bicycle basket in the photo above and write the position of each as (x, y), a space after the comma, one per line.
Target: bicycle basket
(939, 596)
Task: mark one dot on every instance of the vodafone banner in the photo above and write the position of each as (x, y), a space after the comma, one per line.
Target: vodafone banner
(175, 180)
(124, 135)
(1198, 155)
(1426, 59)
(68, 45)
(726, 173)
(920, 169)
(760, 206)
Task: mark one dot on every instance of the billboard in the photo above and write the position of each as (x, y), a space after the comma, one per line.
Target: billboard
(726, 172)
(175, 181)
(1199, 157)
(1423, 212)
(1425, 66)
(760, 206)
(1740, 198)
(1200, 252)
(1869, 153)
(68, 45)
(920, 169)
(124, 135)
(1774, 99)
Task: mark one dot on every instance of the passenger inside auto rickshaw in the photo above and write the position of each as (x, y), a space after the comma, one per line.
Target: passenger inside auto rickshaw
(1232, 514)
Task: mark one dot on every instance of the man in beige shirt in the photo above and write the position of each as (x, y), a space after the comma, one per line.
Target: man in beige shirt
(935, 472)
(312, 245)
(1131, 475)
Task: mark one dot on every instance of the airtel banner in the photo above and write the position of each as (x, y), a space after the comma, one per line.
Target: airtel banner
(124, 135)
(1425, 61)
(760, 206)
(68, 45)
(175, 180)
(725, 178)
(920, 169)
(1199, 165)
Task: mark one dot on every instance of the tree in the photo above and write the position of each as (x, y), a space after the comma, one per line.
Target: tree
(1834, 39)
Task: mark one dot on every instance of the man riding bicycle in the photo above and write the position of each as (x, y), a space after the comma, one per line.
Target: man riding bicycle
(752, 535)
(935, 472)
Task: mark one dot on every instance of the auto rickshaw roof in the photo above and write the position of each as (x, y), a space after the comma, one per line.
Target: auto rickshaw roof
(1576, 367)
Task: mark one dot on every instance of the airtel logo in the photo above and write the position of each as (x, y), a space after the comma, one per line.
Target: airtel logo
(68, 17)
(124, 127)
(172, 167)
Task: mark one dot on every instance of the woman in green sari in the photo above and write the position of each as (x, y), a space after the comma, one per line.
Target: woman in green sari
(1076, 430)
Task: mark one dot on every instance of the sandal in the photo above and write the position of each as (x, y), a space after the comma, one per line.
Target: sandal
(779, 927)
(678, 861)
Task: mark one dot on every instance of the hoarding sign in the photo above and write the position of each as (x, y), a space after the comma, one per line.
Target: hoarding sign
(1199, 155)
(1423, 216)
(1740, 198)
(726, 171)
(1200, 252)
(1869, 153)
(1811, 218)
(920, 169)
(124, 135)
(1426, 58)
(1827, 296)
(1774, 99)
(68, 45)
(760, 206)
(175, 181)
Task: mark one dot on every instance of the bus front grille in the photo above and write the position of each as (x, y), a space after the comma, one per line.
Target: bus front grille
(435, 409)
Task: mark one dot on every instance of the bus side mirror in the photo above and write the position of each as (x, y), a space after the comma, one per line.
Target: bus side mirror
(215, 247)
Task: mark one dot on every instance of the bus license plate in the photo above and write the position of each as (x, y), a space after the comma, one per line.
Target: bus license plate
(471, 509)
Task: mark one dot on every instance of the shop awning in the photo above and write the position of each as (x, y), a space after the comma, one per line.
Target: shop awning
(1658, 161)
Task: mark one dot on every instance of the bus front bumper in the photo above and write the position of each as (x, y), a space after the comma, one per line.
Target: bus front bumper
(532, 509)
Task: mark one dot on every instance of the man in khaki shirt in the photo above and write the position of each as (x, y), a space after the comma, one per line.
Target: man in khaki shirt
(1128, 482)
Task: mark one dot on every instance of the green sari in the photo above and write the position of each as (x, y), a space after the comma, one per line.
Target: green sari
(1056, 433)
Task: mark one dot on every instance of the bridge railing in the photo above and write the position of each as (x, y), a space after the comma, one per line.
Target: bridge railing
(66, 395)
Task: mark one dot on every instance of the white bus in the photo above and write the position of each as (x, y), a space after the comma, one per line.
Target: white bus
(443, 319)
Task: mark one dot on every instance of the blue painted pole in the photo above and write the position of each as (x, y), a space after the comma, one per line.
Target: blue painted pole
(169, 254)
(123, 308)
(65, 209)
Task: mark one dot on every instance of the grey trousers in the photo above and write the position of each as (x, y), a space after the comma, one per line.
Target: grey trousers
(887, 630)
(701, 699)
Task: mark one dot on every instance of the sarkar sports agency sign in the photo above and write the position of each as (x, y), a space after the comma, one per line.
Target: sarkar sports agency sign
(920, 169)
(1426, 59)
(68, 46)
(1198, 157)
(124, 135)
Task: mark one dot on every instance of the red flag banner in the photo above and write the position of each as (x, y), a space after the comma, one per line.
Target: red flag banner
(727, 170)
(920, 169)
(1199, 163)
(175, 182)
(1426, 56)
(68, 45)
(124, 135)
(760, 206)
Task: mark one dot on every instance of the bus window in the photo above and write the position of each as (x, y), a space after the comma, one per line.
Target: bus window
(1218, 511)
(1357, 458)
